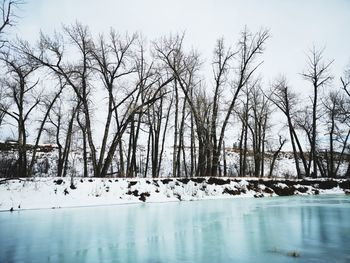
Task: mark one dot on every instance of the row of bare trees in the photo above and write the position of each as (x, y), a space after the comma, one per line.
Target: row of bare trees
(322, 119)
(114, 104)
(57, 81)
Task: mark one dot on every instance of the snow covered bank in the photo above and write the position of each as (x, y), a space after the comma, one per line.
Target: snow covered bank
(43, 193)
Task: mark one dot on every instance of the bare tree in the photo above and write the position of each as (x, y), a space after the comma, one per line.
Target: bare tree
(51, 54)
(147, 89)
(317, 73)
(113, 62)
(77, 76)
(243, 114)
(282, 142)
(157, 117)
(4, 104)
(250, 46)
(21, 92)
(184, 68)
(8, 17)
(345, 112)
(258, 126)
(221, 68)
(48, 102)
(62, 122)
(285, 100)
(203, 107)
(333, 106)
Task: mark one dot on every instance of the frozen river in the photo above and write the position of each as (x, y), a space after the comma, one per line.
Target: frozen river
(315, 229)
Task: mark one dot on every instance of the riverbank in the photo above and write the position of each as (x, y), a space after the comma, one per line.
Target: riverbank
(51, 193)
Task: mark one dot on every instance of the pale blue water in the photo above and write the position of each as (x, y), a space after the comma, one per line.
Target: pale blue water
(238, 230)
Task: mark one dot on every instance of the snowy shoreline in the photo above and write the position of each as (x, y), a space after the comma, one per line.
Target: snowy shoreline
(52, 193)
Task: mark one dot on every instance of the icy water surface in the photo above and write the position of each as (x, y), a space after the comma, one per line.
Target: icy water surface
(236, 230)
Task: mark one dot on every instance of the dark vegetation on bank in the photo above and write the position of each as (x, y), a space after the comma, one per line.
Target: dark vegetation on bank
(261, 187)
(280, 187)
(161, 189)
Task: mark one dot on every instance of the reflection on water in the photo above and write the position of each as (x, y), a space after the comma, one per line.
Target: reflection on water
(238, 230)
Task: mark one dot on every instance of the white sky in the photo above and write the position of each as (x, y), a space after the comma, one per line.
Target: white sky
(296, 25)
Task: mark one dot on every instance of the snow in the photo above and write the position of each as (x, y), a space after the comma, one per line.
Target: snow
(281, 185)
(44, 193)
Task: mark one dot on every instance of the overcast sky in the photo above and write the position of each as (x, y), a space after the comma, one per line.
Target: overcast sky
(296, 25)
